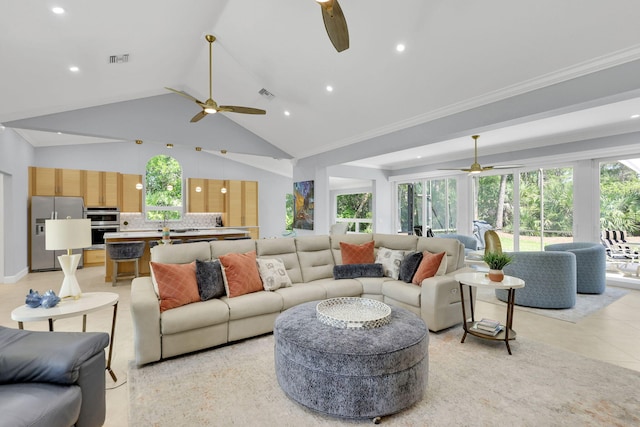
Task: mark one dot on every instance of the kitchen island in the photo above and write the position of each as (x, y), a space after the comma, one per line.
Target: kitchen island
(219, 233)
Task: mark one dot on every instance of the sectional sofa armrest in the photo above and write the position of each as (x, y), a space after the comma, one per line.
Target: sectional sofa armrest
(440, 301)
(145, 313)
(47, 357)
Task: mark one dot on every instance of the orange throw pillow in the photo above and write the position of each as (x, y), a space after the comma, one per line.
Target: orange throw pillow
(177, 284)
(357, 254)
(431, 265)
(241, 273)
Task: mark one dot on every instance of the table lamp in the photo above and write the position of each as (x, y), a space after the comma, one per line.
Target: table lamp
(68, 234)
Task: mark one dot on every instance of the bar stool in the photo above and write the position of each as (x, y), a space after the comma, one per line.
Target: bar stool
(124, 252)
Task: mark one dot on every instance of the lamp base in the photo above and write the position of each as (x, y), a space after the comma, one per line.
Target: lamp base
(70, 286)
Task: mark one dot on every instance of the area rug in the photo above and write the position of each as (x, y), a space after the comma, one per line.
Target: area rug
(472, 384)
(585, 304)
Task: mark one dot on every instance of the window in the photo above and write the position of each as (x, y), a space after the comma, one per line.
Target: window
(289, 211)
(430, 202)
(620, 197)
(544, 206)
(356, 209)
(163, 198)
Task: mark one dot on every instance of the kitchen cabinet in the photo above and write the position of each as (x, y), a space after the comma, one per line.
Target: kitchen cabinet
(55, 182)
(130, 196)
(242, 205)
(101, 189)
(209, 199)
(94, 257)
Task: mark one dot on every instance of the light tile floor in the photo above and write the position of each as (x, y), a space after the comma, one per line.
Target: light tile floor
(611, 335)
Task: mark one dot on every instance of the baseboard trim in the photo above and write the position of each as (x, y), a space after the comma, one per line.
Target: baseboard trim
(16, 277)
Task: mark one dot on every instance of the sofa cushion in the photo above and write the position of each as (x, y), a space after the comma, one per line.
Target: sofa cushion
(351, 271)
(409, 265)
(194, 316)
(253, 304)
(177, 284)
(316, 260)
(181, 254)
(396, 241)
(301, 292)
(390, 260)
(273, 274)
(431, 265)
(39, 404)
(223, 247)
(240, 273)
(284, 249)
(357, 254)
(210, 280)
(340, 288)
(405, 293)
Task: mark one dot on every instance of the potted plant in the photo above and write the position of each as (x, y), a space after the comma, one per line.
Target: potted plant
(496, 262)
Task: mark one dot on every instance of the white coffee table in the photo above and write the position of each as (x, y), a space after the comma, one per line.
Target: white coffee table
(69, 307)
(480, 280)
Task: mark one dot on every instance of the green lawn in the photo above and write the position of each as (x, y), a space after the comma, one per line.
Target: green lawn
(529, 243)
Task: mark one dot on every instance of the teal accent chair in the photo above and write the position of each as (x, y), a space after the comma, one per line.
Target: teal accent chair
(591, 265)
(550, 279)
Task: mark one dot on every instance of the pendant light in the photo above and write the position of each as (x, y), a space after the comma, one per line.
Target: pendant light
(139, 184)
(223, 190)
(198, 188)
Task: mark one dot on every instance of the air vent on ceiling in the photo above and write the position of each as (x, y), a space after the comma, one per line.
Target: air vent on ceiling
(266, 94)
(119, 59)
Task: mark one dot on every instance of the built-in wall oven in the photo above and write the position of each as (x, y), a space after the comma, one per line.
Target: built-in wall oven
(103, 220)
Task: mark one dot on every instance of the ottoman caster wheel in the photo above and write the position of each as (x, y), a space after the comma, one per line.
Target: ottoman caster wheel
(377, 420)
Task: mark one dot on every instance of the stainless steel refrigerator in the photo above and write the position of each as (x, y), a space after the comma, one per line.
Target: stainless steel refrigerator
(43, 208)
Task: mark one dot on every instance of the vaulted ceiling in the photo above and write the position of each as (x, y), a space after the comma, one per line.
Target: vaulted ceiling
(459, 58)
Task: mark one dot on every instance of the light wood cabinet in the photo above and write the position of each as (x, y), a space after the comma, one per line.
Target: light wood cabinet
(208, 199)
(55, 182)
(242, 205)
(130, 196)
(100, 189)
(93, 258)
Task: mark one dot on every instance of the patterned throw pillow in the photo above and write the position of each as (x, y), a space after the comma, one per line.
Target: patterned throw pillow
(357, 254)
(409, 266)
(240, 274)
(431, 265)
(390, 261)
(177, 285)
(210, 281)
(273, 274)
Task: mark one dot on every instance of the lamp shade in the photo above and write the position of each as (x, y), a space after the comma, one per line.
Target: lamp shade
(67, 234)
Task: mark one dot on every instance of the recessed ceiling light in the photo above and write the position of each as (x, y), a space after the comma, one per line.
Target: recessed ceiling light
(635, 116)
(59, 133)
(418, 157)
(329, 88)
(169, 145)
(400, 47)
(74, 69)
(57, 10)
(287, 113)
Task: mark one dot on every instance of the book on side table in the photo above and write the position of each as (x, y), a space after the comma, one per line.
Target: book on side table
(488, 327)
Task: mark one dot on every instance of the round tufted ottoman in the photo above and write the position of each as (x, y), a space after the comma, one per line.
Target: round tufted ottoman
(351, 373)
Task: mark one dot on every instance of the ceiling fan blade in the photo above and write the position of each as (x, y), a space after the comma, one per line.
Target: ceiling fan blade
(243, 110)
(198, 116)
(336, 24)
(506, 166)
(185, 94)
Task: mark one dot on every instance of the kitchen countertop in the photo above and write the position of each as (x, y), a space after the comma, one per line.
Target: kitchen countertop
(219, 231)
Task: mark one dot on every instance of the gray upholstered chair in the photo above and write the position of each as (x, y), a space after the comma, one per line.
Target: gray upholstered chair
(125, 252)
(591, 265)
(550, 279)
(470, 243)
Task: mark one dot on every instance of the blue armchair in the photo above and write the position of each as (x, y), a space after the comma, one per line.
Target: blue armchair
(591, 265)
(550, 279)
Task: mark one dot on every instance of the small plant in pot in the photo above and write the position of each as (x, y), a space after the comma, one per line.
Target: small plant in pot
(496, 262)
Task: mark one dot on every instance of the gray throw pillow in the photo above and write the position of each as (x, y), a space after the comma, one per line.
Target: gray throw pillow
(409, 265)
(209, 278)
(351, 271)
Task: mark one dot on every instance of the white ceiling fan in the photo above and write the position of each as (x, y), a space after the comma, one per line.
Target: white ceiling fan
(475, 167)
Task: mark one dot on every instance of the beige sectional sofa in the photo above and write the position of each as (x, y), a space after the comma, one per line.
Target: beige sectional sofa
(309, 261)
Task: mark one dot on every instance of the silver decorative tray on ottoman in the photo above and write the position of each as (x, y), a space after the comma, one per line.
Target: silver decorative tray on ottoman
(351, 312)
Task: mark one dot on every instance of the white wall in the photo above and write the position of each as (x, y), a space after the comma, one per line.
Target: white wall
(15, 156)
(127, 157)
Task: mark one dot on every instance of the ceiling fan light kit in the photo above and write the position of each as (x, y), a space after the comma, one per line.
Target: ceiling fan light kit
(210, 106)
